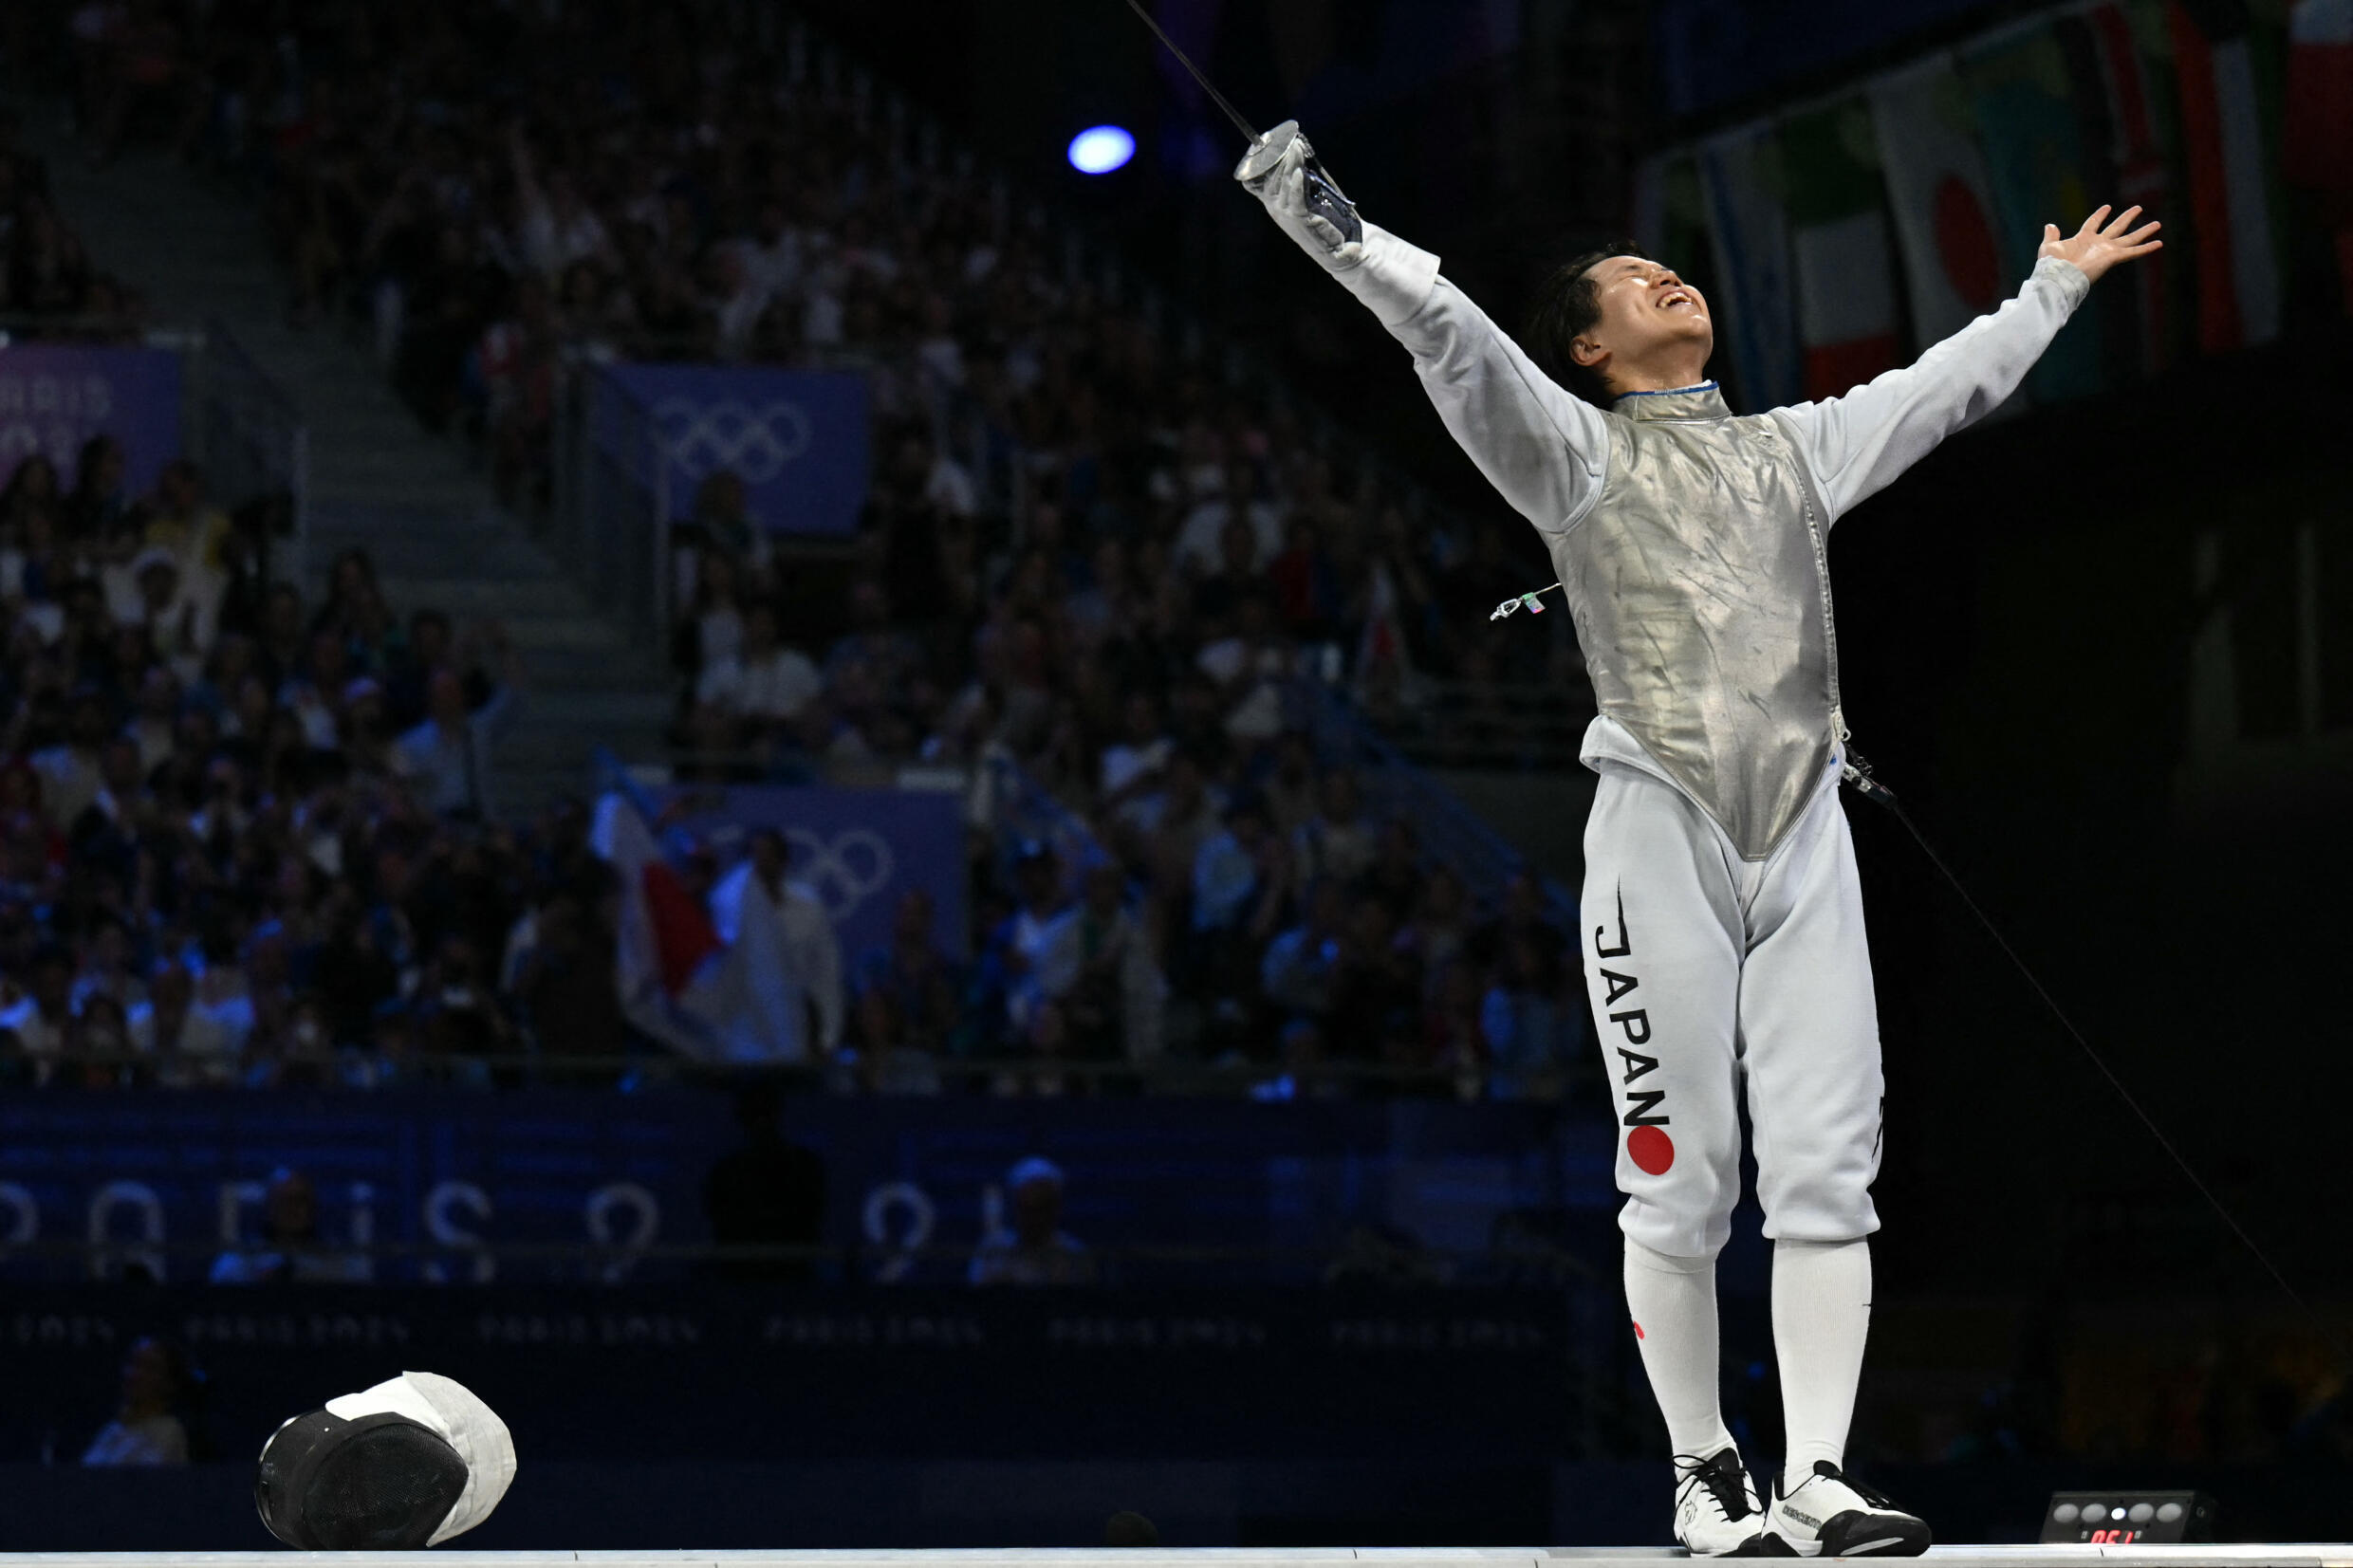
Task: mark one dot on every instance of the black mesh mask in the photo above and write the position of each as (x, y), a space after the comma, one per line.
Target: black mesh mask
(379, 1484)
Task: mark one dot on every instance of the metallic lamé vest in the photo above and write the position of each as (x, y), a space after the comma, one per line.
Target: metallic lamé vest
(1703, 600)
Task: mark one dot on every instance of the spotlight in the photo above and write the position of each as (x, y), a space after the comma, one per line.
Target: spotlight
(1100, 149)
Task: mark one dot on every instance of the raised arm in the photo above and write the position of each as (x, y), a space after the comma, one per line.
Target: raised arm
(1543, 449)
(1858, 444)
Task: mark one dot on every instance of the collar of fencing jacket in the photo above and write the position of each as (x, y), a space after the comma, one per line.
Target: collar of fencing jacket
(1704, 401)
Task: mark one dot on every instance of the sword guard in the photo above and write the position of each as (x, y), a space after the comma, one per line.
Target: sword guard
(1268, 151)
(1325, 199)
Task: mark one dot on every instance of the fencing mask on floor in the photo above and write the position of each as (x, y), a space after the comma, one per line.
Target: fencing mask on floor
(409, 1463)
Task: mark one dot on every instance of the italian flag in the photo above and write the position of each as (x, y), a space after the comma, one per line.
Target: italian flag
(2318, 143)
(1936, 189)
(1839, 242)
(2238, 281)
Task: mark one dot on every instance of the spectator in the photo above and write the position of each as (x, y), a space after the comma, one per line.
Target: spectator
(1135, 761)
(449, 757)
(562, 976)
(764, 684)
(146, 1429)
(755, 903)
(881, 1064)
(768, 1192)
(918, 981)
(69, 772)
(292, 1251)
(190, 1045)
(42, 1019)
(1033, 1249)
(1338, 841)
(1300, 964)
(181, 521)
(1249, 667)
(1113, 1006)
(1032, 945)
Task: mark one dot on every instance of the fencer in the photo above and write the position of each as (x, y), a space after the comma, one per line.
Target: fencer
(1723, 921)
(410, 1463)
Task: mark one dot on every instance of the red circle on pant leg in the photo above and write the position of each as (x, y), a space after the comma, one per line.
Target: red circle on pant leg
(1652, 1151)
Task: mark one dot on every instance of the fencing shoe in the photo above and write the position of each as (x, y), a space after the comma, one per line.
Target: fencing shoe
(1831, 1516)
(1717, 1513)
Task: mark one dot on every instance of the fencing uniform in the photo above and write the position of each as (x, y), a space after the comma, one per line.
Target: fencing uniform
(1724, 943)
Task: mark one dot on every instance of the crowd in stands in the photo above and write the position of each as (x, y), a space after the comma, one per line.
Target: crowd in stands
(229, 845)
(1084, 553)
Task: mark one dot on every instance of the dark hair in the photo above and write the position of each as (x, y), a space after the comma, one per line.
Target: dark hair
(1568, 305)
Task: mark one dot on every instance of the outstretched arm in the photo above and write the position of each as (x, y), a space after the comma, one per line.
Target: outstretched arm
(1542, 448)
(1858, 444)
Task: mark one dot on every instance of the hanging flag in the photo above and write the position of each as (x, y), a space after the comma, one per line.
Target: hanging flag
(2317, 151)
(2239, 284)
(1845, 266)
(2143, 179)
(1750, 236)
(1937, 192)
(2026, 123)
(2317, 144)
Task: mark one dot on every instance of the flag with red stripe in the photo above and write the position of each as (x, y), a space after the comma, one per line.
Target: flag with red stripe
(2111, 69)
(1937, 189)
(1844, 263)
(677, 980)
(2222, 142)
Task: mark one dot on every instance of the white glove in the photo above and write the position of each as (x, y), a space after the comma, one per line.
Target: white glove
(1283, 191)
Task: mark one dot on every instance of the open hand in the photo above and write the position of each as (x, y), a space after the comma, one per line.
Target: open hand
(2096, 248)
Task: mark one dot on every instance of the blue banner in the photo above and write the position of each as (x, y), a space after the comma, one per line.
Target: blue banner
(54, 396)
(860, 850)
(777, 1372)
(797, 438)
(170, 1179)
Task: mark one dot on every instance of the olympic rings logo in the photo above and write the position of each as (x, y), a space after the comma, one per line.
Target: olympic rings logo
(844, 871)
(756, 444)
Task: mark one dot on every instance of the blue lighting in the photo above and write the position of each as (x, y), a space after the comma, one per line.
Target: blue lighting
(1100, 149)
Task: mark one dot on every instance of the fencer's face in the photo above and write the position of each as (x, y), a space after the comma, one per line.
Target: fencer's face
(1649, 316)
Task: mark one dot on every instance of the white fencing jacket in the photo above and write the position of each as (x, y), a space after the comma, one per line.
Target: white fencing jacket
(1690, 539)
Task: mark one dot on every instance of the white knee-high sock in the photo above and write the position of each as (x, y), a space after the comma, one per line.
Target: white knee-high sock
(1822, 1313)
(1672, 1300)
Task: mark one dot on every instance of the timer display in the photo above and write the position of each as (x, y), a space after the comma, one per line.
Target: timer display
(2125, 1519)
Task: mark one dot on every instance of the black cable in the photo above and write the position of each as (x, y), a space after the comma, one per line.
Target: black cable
(1858, 773)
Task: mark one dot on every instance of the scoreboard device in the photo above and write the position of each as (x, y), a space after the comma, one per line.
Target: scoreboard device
(2128, 1518)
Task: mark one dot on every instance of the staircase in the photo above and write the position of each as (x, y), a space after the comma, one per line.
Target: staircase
(377, 479)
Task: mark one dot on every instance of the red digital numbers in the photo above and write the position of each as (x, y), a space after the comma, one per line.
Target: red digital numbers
(2114, 1537)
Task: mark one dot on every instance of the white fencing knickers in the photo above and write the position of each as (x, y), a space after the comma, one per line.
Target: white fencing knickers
(1708, 973)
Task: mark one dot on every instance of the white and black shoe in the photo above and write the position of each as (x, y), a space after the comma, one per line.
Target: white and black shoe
(1832, 1516)
(1716, 1512)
